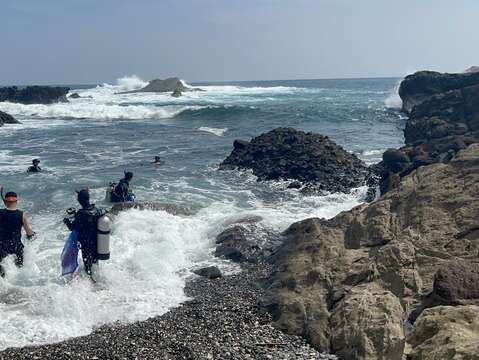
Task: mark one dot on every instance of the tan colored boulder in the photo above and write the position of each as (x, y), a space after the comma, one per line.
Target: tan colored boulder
(396, 244)
(368, 324)
(446, 332)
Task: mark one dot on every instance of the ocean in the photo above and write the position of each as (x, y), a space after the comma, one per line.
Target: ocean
(92, 140)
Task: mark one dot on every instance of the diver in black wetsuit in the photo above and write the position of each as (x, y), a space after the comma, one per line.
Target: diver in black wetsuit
(11, 223)
(85, 222)
(121, 192)
(34, 168)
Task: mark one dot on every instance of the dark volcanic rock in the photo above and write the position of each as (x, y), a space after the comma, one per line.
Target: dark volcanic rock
(456, 282)
(418, 87)
(7, 119)
(34, 94)
(173, 85)
(286, 153)
(210, 272)
(75, 96)
(177, 93)
(443, 119)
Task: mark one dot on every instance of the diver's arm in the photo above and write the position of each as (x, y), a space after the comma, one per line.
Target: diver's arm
(27, 227)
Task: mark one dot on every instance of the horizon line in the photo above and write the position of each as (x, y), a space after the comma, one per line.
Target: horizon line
(222, 81)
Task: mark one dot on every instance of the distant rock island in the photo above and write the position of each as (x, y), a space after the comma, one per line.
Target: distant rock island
(173, 84)
(34, 94)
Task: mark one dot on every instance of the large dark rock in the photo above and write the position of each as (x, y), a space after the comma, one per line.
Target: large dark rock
(289, 154)
(456, 282)
(34, 94)
(416, 88)
(443, 119)
(173, 85)
(7, 119)
(210, 272)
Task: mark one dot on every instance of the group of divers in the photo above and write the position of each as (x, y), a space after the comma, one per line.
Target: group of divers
(89, 225)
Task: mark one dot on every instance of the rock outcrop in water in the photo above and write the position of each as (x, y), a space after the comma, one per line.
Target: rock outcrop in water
(173, 85)
(443, 119)
(348, 284)
(7, 119)
(289, 154)
(34, 94)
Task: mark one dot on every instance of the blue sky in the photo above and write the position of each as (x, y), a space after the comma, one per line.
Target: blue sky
(92, 41)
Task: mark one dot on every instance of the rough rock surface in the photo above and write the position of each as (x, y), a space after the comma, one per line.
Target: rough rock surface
(394, 246)
(34, 94)
(7, 119)
(222, 322)
(210, 272)
(443, 119)
(421, 85)
(246, 242)
(289, 154)
(446, 332)
(457, 282)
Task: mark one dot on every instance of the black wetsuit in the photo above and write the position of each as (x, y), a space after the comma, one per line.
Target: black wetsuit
(34, 169)
(85, 223)
(11, 223)
(121, 191)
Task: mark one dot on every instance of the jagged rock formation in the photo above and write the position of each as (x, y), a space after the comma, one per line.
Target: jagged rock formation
(349, 283)
(416, 88)
(34, 94)
(7, 119)
(286, 153)
(443, 119)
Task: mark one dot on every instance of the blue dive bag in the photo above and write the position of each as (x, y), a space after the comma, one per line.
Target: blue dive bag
(70, 254)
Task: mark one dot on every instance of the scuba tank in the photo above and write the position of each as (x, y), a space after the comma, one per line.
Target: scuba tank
(103, 237)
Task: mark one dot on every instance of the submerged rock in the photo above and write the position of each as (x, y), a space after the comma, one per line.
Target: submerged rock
(177, 93)
(289, 154)
(74, 96)
(34, 94)
(7, 119)
(169, 208)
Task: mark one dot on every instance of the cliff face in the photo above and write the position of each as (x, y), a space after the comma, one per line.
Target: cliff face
(443, 120)
(348, 284)
(389, 278)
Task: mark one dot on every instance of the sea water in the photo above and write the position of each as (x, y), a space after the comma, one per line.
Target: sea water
(94, 139)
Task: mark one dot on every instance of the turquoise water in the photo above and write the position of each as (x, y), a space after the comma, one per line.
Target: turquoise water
(92, 140)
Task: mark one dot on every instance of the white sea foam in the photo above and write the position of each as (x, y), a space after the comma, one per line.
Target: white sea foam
(151, 254)
(215, 131)
(131, 82)
(86, 110)
(393, 101)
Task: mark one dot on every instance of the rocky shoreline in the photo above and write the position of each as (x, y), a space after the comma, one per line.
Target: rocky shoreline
(222, 321)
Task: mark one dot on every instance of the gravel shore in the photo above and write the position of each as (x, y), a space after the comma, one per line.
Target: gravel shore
(221, 322)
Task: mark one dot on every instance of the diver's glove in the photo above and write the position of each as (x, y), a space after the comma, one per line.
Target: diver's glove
(67, 221)
(32, 237)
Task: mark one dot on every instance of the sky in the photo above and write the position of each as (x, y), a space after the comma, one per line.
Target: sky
(95, 41)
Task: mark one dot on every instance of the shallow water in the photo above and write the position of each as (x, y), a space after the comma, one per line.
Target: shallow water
(91, 141)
